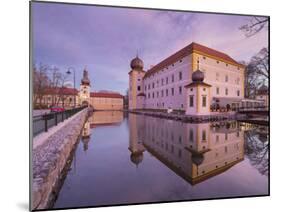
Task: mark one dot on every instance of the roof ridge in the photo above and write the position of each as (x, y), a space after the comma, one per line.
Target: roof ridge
(193, 46)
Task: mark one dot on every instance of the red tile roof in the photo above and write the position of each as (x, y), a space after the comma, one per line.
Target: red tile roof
(106, 95)
(193, 47)
(61, 91)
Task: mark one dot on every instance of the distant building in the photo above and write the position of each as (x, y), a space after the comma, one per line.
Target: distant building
(68, 97)
(262, 94)
(194, 79)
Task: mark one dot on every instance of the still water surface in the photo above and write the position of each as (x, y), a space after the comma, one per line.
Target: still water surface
(127, 158)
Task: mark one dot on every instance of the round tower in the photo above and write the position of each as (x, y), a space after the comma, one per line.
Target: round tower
(135, 81)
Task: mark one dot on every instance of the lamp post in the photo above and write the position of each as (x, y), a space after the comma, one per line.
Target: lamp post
(69, 72)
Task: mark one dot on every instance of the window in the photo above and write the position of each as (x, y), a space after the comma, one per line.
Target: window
(179, 154)
(148, 86)
(191, 89)
(139, 88)
(204, 58)
(218, 62)
(172, 90)
(145, 87)
(238, 93)
(180, 90)
(217, 138)
(226, 78)
(138, 79)
(218, 90)
(153, 95)
(162, 93)
(167, 92)
(180, 139)
(226, 91)
(148, 95)
(191, 135)
(157, 94)
(172, 78)
(167, 80)
(180, 75)
(226, 64)
(217, 76)
(181, 105)
(204, 101)
(180, 61)
(153, 85)
(191, 101)
(204, 135)
(162, 81)
(226, 136)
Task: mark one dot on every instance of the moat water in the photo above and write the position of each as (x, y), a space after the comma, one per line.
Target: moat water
(127, 158)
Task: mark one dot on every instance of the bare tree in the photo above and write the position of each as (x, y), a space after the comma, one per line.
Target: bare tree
(255, 25)
(261, 63)
(257, 72)
(40, 83)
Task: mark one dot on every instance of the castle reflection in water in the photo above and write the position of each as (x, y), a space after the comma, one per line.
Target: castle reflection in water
(195, 152)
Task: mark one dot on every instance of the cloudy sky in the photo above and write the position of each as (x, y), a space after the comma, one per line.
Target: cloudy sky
(105, 39)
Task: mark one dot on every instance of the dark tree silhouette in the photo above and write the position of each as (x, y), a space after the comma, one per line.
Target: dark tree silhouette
(257, 150)
(255, 25)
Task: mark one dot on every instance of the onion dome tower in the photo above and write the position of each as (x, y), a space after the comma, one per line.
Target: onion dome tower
(198, 94)
(84, 93)
(85, 80)
(136, 63)
(136, 83)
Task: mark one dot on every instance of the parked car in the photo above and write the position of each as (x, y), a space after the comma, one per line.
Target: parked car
(57, 109)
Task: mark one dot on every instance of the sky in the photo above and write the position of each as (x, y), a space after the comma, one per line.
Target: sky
(105, 39)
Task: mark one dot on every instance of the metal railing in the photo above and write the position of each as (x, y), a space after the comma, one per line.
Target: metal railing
(42, 123)
(256, 108)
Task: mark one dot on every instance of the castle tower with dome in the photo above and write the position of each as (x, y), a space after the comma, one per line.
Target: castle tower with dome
(135, 81)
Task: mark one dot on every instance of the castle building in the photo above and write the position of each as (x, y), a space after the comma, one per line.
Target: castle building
(68, 97)
(194, 79)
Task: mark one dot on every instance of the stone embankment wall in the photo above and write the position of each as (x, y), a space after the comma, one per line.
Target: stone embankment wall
(50, 158)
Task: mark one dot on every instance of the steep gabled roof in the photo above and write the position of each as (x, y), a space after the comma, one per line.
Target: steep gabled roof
(193, 47)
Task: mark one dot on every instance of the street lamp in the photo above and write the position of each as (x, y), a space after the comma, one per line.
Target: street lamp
(70, 72)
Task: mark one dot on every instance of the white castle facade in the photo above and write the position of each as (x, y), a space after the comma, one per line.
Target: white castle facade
(196, 79)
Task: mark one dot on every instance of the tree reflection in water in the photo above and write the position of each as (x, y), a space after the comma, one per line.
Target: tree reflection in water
(257, 147)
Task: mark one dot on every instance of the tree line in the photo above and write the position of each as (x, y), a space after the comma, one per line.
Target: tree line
(46, 79)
